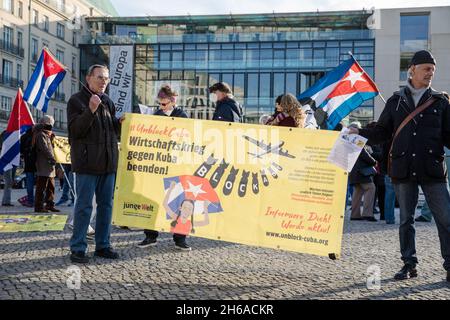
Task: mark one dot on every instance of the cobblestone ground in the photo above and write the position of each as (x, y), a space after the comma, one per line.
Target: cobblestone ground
(34, 266)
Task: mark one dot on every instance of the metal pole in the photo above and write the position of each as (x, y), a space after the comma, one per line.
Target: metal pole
(67, 180)
(29, 38)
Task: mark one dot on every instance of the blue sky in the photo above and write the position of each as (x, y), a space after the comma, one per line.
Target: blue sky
(195, 7)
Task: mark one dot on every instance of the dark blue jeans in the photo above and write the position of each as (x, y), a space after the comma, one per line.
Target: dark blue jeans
(103, 187)
(438, 198)
(30, 178)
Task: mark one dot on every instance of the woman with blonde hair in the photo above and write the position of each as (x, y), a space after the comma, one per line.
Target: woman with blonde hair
(291, 114)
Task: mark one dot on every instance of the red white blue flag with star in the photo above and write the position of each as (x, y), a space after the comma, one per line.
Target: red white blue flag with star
(44, 81)
(20, 120)
(339, 92)
(193, 188)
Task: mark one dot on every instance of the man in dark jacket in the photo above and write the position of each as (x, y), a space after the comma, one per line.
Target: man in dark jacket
(417, 157)
(93, 138)
(227, 109)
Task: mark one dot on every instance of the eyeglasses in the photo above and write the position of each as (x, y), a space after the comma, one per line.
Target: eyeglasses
(101, 78)
(163, 104)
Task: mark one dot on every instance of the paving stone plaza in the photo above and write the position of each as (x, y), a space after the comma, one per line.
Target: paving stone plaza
(36, 265)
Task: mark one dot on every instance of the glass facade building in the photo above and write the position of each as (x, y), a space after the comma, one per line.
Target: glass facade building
(260, 56)
(414, 36)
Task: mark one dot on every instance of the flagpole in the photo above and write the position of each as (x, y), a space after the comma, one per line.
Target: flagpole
(67, 180)
(379, 92)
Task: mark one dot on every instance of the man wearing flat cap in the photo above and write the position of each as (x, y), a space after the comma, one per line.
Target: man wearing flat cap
(416, 121)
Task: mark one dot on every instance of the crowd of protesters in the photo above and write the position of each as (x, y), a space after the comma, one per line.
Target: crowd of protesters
(406, 149)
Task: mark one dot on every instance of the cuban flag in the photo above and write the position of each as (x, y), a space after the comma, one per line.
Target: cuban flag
(19, 122)
(338, 93)
(44, 81)
(193, 188)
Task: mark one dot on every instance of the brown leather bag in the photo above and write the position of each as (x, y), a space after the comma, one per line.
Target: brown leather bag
(416, 111)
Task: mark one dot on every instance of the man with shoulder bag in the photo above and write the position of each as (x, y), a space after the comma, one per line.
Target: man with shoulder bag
(417, 119)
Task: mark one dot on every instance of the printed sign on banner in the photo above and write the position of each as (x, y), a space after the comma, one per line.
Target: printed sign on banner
(257, 185)
(121, 74)
(61, 148)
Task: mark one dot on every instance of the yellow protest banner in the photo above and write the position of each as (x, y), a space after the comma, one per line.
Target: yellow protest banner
(251, 184)
(61, 148)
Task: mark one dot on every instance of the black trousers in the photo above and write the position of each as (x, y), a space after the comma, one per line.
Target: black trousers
(153, 234)
(45, 193)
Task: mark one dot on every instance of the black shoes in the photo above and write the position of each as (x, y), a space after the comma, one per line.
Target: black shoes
(106, 253)
(372, 219)
(79, 257)
(406, 272)
(147, 242)
(41, 210)
(52, 209)
(182, 246)
(421, 219)
(150, 242)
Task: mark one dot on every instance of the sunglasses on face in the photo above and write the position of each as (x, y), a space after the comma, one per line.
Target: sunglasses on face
(163, 104)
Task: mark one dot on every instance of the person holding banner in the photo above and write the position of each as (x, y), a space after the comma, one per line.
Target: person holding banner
(417, 119)
(93, 136)
(167, 99)
(278, 110)
(291, 114)
(45, 165)
(227, 108)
